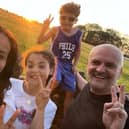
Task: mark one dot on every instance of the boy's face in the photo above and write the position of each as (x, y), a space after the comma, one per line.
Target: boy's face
(67, 20)
(4, 50)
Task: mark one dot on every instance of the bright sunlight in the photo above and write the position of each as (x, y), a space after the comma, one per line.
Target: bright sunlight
(108, 14)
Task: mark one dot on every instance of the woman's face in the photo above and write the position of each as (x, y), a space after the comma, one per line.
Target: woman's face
(4, 50)
(37, 66)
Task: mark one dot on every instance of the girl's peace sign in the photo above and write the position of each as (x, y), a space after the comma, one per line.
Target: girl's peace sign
(9, 124)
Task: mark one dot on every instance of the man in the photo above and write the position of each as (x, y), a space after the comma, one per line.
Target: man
(100, 104)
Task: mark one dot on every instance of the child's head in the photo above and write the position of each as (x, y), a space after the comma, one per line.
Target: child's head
(69, 13)
(8, 57)
(72, 8)
(8, 52)
(39, 63)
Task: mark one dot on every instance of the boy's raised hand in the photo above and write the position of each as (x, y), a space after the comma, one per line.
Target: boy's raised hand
(45, 27)
(9, 124)
(47, 21)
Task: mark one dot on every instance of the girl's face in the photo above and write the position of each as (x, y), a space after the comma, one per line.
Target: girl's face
(37, 66)
(4, 50)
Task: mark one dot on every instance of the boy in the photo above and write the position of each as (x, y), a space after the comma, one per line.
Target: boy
(66, 45)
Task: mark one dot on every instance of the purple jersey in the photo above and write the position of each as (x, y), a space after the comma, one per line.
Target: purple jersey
(64, 46)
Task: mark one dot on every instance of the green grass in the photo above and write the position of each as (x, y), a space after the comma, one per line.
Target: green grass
(26, 33)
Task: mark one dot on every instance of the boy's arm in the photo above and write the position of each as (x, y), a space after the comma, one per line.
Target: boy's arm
(45, 33)
(78, 52)
(76, 57)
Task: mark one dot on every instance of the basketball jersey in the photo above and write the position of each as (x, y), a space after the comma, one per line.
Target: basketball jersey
(64, 46)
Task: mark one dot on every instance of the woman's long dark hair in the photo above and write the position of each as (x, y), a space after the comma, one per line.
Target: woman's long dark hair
(11, 61)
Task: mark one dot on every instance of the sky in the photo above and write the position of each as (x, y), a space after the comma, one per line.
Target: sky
(107, 13)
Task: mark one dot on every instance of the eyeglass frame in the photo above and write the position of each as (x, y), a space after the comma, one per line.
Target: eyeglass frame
(69, 18)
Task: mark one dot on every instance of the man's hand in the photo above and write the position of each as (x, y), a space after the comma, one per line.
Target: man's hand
(114, 114)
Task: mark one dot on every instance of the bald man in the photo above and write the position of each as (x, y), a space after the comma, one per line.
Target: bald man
(100, 104)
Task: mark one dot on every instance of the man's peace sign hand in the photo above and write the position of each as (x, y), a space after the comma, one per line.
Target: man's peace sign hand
(114, 114)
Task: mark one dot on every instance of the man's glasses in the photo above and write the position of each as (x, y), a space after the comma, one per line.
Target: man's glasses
(70, 19)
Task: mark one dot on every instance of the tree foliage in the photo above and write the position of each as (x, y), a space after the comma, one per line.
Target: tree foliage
(94, 34)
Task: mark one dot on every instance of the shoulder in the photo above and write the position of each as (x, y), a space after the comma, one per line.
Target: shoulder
(54, 29)
(51, 106)
(78, 30)
(16, 84)
(78, 33)
(127, 110)
(127, 100)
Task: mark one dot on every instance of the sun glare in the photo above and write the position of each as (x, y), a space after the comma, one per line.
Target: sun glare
(90, 11)
(29, 19)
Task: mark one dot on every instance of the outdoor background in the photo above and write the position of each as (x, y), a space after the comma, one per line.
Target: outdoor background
(26, 33)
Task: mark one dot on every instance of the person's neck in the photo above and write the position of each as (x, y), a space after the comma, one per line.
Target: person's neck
(96, 92)
(67, 30)
(29, 90)
(103, 91)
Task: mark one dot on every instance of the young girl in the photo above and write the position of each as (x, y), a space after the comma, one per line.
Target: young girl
(31, 95)
(66, 45)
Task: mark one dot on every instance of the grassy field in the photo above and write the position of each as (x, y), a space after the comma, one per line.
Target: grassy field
(26, 33)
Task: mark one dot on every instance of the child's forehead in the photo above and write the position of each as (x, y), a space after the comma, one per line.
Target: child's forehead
(67, 14)
(36, 56)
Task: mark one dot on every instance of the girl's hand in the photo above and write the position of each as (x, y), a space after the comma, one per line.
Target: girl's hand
(9, 124)
(42, 97)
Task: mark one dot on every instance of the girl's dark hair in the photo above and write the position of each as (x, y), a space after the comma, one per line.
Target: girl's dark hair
(6, 73)
(46, 54)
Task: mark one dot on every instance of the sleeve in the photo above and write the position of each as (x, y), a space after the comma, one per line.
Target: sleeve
(127, 110)
(10, 105)
(9, 99)
(50, 112)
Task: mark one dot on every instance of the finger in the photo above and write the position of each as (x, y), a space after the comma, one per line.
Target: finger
(49, 84)
(107, 106)
(50, 18)
(114, 94)
(122, 95)
(41, 83)
(2, 109)
(13, 118)
(116, 110)
(26, 83)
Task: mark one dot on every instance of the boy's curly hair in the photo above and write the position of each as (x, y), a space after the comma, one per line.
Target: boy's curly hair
(72, 8)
